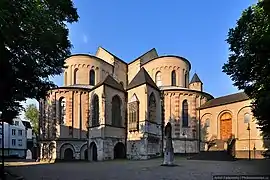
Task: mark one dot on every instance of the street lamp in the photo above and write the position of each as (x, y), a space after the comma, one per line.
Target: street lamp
(184, 134)
(3, 147)
(248, 128)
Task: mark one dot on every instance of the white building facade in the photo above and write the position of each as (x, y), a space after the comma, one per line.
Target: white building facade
(15, 139)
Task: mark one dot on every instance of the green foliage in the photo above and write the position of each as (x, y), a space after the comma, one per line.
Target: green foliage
(33, 45)
(249, 60)
(32, 114)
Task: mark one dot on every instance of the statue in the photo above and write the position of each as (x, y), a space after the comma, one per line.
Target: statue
(168, 154)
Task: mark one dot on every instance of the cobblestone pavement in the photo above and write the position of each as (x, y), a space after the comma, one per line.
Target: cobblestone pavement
(141, 170)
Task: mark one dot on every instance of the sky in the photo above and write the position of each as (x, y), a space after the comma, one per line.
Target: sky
(196, 30)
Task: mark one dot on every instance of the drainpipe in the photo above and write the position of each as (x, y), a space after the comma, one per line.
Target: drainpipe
(199, 140)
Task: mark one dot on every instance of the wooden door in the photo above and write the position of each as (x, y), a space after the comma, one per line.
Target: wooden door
(225, 126)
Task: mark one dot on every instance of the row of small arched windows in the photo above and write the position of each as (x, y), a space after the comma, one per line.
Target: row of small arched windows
(92, 77)
(173, 79)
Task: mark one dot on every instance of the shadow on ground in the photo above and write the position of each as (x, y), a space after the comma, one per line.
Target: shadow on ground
(147, 169)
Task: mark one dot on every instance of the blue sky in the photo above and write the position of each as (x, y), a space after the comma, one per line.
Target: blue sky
(195, 30)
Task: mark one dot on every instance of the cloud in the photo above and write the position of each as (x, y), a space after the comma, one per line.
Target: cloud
(85, 39)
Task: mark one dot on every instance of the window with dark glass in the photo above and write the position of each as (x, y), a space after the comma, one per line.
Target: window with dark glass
(95, 111)
(152, 107)
(75, 76)
(173, 78)
(92, 77)
(62, 110)
(185, 113)
(186, 80)
(116, 111)
(133, 111)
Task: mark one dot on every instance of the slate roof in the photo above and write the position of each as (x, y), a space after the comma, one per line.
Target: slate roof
(232, 98)
(142, 77)
(111, 82)
(27, 124)
(195, 78)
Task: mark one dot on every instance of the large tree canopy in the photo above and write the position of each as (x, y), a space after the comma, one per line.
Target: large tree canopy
(31, 114)
(249, 60)
(33, 45)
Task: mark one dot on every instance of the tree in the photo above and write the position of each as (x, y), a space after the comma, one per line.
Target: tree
(249, 60)
(32, 114)
(33, 45)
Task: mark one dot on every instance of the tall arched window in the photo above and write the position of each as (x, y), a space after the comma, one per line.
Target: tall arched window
(62, 111)
(75, 76)
(173, 78)
(116, 111)
(152, 107)
(133, 113)
(92, 77)
(95, 111)
(185, 113)
(186, 80)
(158, 78)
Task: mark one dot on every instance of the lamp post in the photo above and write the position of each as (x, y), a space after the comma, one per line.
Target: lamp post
(88, 145)
(185, 136)
(249, 155)
(3, 147)
(162, 121)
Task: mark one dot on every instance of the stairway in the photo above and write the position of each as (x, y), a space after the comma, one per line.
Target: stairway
(213, 156)
(216, 152)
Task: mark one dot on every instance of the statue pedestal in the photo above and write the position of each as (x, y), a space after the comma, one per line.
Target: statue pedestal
(168, 154)
(168, 158)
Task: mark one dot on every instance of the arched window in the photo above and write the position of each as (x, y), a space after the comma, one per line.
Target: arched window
(65, 78)
(185, 113)
(247, 118)
(92, 77)
(95, 111)
(62, 111)
(173, 78)
(152, 107)
(75, 76)
(207, 123)
(116, 111)
(133, 113)
(186, 80)
(158, 78)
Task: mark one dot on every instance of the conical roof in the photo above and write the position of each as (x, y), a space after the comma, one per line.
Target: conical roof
(195, 78)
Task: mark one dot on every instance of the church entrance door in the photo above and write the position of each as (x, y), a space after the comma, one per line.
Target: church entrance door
(225, 126)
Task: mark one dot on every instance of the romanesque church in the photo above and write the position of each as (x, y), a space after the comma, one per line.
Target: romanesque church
(108, 109)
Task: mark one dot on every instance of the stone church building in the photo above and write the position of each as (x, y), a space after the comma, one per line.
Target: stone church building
(110, 109)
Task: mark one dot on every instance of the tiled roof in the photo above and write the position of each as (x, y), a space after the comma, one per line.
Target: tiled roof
(142, 77)
(232, 98)
(195, 78)
(110, 81)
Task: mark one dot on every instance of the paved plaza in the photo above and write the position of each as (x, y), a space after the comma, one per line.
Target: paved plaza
(139, 170)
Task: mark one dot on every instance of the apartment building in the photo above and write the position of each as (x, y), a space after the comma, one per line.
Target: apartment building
(15, 139)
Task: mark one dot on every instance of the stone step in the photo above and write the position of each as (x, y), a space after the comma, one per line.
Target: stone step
(213, 155)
